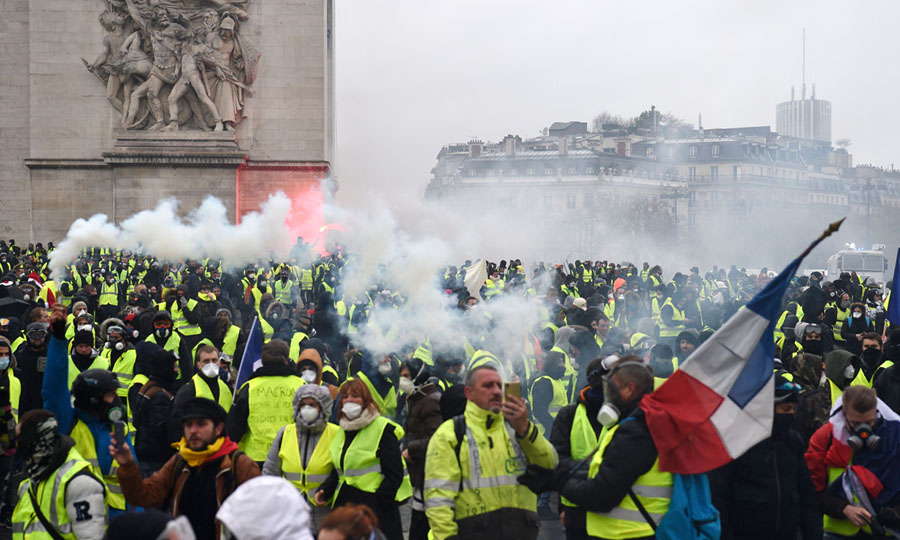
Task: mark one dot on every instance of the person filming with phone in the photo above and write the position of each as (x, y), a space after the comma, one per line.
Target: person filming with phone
(473, 460)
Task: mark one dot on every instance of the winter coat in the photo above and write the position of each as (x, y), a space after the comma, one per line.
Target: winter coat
(165, 486)
(422, 420)
(767, 493)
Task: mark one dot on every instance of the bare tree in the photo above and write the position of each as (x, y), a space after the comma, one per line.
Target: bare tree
(843, 143)
(606, 118)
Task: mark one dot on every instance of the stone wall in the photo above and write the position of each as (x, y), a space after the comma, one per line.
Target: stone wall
(58, 129)
(15, 184)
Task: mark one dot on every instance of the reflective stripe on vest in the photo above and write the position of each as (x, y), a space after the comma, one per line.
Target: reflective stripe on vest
(270, 400)
(283, 292)
(842, 315)
(676, 328)
(124, 370)
(582, 440)
(359, 466)
(202, 390)
(318, 466)
(560, 395)
(653, 489)
(50, 495)
(87, 447)
(180, 322)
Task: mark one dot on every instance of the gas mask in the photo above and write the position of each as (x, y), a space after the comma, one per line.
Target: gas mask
(609, 413)
(863, 435)
(162, 332)
(116, 410)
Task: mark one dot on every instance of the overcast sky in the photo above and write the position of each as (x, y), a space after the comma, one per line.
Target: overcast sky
(414, 75)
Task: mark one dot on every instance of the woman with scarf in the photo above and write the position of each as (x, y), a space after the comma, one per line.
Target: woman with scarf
(56, 478)
(368, 466)
(301, 452)
(196, 480)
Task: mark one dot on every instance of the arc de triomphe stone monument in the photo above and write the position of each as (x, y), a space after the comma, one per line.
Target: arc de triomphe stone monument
(108, 106)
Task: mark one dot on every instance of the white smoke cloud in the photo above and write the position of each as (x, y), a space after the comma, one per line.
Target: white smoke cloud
(205, 232)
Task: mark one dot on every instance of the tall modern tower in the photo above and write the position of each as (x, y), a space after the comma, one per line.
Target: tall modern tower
(804, 118)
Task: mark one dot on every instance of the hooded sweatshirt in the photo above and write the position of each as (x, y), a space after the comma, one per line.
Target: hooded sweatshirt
(308, 435)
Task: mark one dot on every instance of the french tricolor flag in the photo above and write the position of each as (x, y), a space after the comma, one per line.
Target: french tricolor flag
(720, 402)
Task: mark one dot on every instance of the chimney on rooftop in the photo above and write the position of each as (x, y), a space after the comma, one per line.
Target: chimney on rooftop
(563, 145)
(509, 145)
(475, 148)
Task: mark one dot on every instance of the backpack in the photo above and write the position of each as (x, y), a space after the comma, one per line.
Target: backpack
(691, 514)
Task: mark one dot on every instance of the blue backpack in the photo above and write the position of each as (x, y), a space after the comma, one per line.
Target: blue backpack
(691, 514)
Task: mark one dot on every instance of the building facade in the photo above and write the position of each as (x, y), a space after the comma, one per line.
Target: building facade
(733, 191)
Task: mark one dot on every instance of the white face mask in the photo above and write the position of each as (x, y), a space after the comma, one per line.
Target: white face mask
(84, 327)
(849, 372)
(352, 410)
(857, 314)
(81, 312)
(384, 369)
(210, 370)
(309, 414)
(308, 375)
(406, 385)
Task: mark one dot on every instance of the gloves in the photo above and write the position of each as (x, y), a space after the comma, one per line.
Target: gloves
(888, 517)
(539, 480)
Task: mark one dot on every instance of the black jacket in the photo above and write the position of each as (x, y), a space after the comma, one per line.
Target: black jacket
(31, 364)
(560, 439)
(154, 432)
(767, 493)
(629, 455)
(887, 386)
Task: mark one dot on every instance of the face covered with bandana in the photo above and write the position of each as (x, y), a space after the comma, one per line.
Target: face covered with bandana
(41, 445)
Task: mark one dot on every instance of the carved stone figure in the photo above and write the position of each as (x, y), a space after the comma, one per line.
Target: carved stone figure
(176, 64)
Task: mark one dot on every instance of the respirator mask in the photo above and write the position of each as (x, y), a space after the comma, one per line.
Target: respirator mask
(863, 435)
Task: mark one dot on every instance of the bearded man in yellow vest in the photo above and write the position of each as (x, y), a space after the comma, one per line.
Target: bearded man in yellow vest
(207, 382)
(301, 452)
(626, 461)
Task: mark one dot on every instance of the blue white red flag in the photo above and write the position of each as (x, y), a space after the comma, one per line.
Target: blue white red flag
(720, 402)
(251, 360)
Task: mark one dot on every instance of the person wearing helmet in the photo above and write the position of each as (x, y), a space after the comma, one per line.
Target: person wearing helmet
(768, 492)
(89, 418)
(32, 361)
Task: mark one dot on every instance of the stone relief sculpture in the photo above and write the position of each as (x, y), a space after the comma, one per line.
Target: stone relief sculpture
(176, 64)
